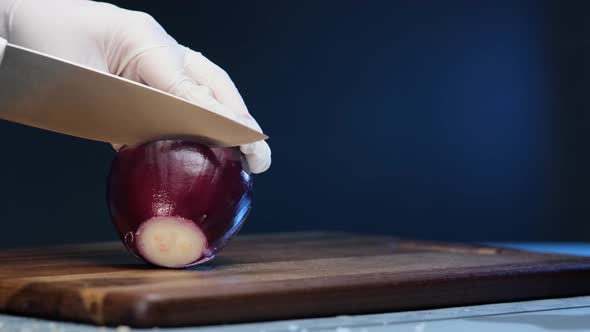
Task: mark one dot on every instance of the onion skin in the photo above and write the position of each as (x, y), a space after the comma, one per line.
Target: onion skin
(183, 180)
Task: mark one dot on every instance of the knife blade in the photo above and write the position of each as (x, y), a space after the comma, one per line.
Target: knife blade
(50, 93)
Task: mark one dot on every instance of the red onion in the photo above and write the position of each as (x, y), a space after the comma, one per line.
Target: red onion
(177, 203)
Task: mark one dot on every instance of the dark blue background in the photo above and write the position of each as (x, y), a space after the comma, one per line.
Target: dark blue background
(454, 120)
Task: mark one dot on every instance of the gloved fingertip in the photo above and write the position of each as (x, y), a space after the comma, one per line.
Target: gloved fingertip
(258, 156)
(258, 165)
(253, 164)
(247, 148)
(266, 166)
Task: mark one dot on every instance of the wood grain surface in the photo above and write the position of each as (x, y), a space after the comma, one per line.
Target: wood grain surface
(277, 276)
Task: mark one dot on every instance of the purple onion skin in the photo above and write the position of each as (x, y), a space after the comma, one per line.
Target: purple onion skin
(174, 178)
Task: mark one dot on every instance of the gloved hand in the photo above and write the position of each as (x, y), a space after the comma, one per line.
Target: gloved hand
(130, 44)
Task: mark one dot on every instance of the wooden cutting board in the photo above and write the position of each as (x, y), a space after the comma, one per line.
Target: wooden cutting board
(277, 276)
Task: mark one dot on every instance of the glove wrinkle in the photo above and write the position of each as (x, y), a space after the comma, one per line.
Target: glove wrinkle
(129, 66)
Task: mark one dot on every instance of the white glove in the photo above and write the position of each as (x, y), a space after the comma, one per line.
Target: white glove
(130, 44)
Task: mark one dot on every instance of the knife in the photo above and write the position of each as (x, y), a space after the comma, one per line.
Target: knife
(47, 92)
